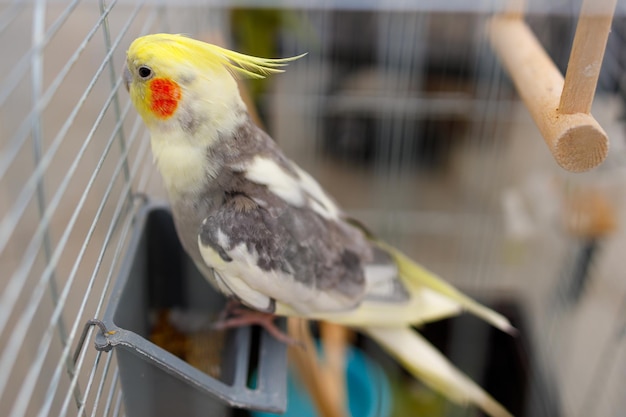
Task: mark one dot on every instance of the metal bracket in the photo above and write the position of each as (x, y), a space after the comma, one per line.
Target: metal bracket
(105, 346)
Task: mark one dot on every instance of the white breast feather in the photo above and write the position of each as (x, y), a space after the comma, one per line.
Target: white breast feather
(182, 166)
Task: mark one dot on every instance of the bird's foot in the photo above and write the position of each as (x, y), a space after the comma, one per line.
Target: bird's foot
(236, 315)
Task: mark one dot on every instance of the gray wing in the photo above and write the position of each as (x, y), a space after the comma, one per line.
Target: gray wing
(284, 253)
(276, 236)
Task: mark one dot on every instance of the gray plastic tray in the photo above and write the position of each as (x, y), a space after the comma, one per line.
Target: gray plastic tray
(156, 273)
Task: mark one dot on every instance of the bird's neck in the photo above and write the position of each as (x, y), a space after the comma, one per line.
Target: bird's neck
(185, 162)
(183, 167)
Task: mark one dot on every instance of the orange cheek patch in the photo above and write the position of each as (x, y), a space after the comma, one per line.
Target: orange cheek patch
(165, 95)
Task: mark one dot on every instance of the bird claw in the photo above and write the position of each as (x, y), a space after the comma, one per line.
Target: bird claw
(235, 315)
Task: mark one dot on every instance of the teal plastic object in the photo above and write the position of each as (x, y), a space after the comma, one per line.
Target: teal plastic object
(369, 394)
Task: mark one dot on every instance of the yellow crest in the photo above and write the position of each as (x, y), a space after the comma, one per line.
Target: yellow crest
(184, 49)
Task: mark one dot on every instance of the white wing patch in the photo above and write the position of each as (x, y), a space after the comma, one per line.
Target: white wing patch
(297, 191)
(267, 172)
(314, 189)
(233, 284)
(380, 279)
(257, 287)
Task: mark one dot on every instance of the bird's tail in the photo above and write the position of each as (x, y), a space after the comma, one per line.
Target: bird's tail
(428, 364)
(431, 299)
(414, 274)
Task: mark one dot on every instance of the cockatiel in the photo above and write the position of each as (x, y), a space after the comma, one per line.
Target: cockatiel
(263, 231)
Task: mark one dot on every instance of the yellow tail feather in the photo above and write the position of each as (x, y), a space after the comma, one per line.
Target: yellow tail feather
(428, 364)
(415, 273)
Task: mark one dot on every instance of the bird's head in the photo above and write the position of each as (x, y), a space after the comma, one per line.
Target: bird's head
(178, 82)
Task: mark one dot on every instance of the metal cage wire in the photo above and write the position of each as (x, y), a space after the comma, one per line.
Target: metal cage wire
(75, 164)
(36, 307)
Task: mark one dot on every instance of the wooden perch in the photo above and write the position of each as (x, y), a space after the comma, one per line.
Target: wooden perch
(323, 381)
(560, 107)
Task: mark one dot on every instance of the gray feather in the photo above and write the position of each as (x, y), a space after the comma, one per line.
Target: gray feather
(320, 254)
(328, 255)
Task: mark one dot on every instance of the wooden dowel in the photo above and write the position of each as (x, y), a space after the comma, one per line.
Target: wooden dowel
(575, 139)
(310, 371)
(583, 69)
(335, 340)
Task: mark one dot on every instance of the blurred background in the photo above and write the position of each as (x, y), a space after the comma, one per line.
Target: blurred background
(403, 113)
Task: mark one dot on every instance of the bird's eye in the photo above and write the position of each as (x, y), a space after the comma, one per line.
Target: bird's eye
(144, 72)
